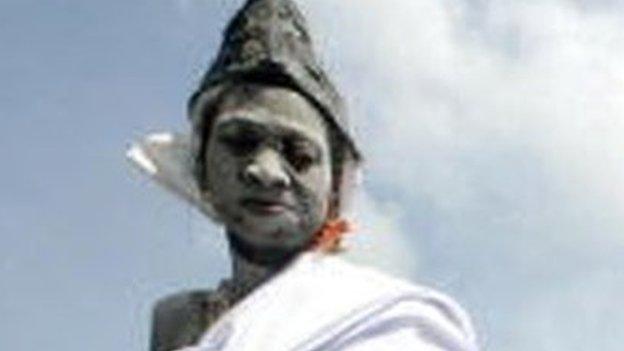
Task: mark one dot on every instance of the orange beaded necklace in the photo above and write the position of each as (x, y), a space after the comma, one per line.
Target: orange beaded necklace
(329, 237)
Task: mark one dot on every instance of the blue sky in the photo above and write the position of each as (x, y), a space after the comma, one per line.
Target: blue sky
(494, 161)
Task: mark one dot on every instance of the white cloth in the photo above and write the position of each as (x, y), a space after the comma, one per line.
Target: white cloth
(167, 159)
(321, 303)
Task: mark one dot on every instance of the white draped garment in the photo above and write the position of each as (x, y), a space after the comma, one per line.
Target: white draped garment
(322, 303)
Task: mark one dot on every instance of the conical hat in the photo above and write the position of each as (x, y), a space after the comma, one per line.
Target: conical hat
(267, 42)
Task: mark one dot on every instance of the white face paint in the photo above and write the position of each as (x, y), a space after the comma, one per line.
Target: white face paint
(268, 167)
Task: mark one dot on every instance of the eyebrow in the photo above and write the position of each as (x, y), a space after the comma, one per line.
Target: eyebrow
(252, 126)
(240, 123)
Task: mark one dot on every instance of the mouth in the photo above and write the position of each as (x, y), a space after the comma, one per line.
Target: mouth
(265, 207)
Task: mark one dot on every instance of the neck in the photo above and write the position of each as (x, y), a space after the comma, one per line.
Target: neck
(251, 267)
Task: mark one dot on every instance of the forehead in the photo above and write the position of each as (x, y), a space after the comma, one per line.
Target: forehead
(272, 107)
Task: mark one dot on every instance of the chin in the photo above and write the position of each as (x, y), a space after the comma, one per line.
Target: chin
(286, 231)
(281, 236)
(276, 236)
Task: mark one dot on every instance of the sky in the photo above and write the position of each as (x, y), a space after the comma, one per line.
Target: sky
(492, 132)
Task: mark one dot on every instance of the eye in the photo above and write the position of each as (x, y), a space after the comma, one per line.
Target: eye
(300, 155)
(240, 144)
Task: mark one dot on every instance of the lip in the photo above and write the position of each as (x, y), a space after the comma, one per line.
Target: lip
(265, 207)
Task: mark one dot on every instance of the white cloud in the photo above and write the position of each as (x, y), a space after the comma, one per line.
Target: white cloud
(504, 121)
(584, 315)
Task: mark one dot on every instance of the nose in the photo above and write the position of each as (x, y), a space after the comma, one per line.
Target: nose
(266, 170)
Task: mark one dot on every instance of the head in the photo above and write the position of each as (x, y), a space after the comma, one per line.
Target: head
(270, 163)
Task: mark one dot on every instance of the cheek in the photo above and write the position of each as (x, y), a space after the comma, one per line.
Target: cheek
(316, 190)
(221, 171)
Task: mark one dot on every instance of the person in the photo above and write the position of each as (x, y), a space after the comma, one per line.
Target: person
(271, 157)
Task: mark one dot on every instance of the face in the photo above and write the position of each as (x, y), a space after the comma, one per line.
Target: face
(268, 167)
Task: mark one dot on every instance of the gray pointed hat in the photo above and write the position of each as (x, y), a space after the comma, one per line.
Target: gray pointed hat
(267, 42)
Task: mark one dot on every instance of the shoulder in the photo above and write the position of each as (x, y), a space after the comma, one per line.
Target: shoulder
(180, 300)
(177, 320)
(397, 309)
(420, 315)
